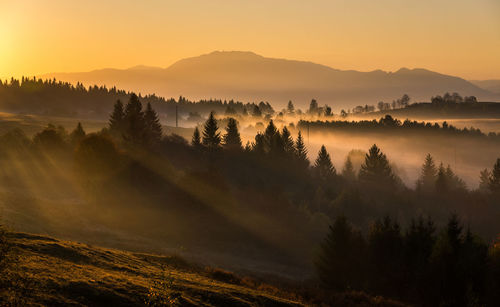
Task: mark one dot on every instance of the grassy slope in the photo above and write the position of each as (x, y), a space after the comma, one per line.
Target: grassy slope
(64, 273)
(68, 273)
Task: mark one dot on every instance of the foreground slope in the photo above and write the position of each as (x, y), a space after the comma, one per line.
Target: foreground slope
(52, 272)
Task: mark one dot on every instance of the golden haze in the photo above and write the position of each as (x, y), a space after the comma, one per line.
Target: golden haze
(453, 37)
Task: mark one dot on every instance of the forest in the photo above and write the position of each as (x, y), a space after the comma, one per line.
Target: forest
(266, 201)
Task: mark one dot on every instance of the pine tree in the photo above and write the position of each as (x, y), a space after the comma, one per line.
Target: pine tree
(116, 120)
(442, 182)
(134, 121)
(339, 264)
(428, 175)
(232, 139)
(290, 108)
(211, 138)
(288, 144)
(484, 180)
(323, 164)
(301, 151)
(273, 143)
(196, 140)
(77, 135)
(495, 177)
(376, 168)
(153, 129)
(348, 170)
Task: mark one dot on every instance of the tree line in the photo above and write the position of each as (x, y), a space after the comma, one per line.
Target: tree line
(388, 123)
(215, 184)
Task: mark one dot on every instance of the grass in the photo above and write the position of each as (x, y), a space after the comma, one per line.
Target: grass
(52, 272)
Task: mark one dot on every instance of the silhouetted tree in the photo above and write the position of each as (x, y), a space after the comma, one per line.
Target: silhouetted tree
(117, 120)
(385, 244)
(134, 121)
(290, 109)
(495, 177)
(428, 175)
(301, 151)
(232, 139)
(323, 164)
(211, 137)
(77, 134)
(288, 144)
(484, 180)
(442, 182)
(313, 107)
(153, 129)
(376, 168)
(340, 264)
(196, 140)
(348, 170)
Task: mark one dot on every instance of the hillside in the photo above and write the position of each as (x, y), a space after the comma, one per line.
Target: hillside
(489, 85)
(246, 76)
(51, 272)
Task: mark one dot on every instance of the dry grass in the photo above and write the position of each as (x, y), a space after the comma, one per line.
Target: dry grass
(68, 273)
(51, 272)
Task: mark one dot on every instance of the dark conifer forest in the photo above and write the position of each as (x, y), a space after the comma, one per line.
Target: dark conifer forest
(346, 229)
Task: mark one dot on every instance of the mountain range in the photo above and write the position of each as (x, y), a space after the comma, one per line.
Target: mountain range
(247, 77)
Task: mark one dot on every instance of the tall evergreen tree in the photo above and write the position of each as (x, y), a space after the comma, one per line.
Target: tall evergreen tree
(428, 175)
(301, 151)
(196, 140)
(77, 135)
(288, 144)
(232, 139)
(116, 119)
(134, 121)
(290, 109)
(495, 177)
(339, 264)
(153, 129)
(484, 180)
(323, 164)
(348, 170)
(211, 137)
(442, 182)
(376, 168)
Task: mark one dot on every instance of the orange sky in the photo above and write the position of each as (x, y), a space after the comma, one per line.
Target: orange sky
(458, 37)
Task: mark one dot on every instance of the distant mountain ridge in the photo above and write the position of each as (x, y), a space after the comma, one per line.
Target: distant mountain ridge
(247, 76)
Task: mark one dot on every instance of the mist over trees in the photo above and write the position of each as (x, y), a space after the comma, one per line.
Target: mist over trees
(271, 197)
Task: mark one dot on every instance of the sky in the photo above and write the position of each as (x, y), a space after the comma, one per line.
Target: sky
(457, 37)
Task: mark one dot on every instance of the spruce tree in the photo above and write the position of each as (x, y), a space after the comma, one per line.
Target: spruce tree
(323, 164)
(339, 264)
(442, 182)
(116, 119)
(484, 180)
(376, 168)
(348, 170)
(495, 177)
(77, 135)
(290, 108)
(153, 129)
(301, 151)
(428, 175)
(134, 121)
(232, 138)
(288, 144)
(196, 140)
(211, 137)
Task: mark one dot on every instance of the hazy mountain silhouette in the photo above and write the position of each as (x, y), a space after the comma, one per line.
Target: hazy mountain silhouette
(246, 76)
(489, 85)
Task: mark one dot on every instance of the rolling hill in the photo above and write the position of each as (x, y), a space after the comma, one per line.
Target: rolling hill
(246, 76)
(489, 85)
(53, 272)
